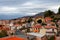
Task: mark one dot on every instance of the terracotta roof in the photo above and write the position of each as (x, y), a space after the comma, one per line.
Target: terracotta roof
(48, 27)
(37, 26)
(12, 38)
(48, 18)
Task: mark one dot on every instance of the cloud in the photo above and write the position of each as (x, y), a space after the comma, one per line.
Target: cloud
(54, 8)
(27, 7)
(28, 3)
(7, 9)
(12, 2)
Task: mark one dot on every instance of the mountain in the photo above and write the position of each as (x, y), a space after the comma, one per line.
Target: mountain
(9, 17)
(39, 14)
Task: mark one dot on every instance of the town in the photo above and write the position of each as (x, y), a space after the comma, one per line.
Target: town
(38, 27)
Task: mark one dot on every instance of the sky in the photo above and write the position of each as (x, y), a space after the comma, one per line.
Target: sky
(10, 9)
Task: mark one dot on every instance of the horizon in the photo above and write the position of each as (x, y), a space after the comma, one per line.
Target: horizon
(10, 9)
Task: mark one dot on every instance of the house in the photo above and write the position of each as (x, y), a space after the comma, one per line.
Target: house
(36, 28)
(51, 30)
(47, 19)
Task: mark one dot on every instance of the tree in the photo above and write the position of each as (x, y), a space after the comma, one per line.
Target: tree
(59, 10)
(3, 33)
(30, 19)
(48, 13)
(52, 38)
(39, 21)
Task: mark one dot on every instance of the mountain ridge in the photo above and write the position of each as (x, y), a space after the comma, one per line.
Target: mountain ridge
(7, 17)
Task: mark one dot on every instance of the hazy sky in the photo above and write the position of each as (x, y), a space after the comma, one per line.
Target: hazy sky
(18, 8)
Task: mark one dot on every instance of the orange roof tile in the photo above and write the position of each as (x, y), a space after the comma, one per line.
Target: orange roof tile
(50, 27)
(37, 26)
(12, 38)
(47, 18)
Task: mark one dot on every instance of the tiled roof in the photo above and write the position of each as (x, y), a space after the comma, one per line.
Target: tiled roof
(48, 27)
(47, 18)
(37, 26)
(12, 38)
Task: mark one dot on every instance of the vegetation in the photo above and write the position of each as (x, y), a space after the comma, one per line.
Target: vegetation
(39, 21)
(3, 33)
(53, 15)
(59, 10)
(52, 38)
(48, 13)
(30, 19)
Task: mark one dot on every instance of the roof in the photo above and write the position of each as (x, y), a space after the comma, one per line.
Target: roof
(49, 27)
(48, 18)
(37, 26)
(12, 38)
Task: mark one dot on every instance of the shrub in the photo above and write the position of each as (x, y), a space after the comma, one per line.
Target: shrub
(3, 33)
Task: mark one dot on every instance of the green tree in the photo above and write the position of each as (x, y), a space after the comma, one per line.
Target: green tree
(48, 13)
(3, 33)
(30, 19)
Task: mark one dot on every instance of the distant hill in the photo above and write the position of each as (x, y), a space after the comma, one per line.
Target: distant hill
(39, 14)
(11, 17)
